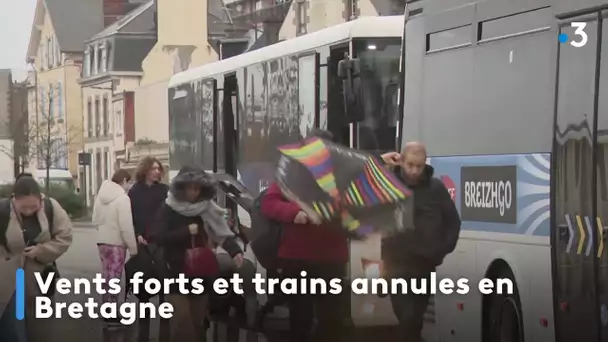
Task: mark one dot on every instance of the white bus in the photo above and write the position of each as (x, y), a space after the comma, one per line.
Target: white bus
(511, 99)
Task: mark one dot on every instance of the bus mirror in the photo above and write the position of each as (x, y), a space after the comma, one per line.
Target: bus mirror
(349, 71)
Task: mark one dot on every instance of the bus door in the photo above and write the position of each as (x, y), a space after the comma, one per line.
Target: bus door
(227, 126)
(225, 111)
(575, 234)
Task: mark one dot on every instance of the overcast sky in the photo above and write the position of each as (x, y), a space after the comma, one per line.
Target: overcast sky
(15, 26)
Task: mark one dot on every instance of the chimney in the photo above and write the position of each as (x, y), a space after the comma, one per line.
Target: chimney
(115, 9)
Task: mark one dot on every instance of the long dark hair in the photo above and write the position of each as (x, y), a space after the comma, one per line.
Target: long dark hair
(145, 165)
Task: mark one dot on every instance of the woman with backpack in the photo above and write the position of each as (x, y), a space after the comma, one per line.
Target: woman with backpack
(34, 232)
(115, 232)
(184, 226)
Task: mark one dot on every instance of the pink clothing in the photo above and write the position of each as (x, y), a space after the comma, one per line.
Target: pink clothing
(112, 264)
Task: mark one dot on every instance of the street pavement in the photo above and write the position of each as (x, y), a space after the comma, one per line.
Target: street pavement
(82, 261)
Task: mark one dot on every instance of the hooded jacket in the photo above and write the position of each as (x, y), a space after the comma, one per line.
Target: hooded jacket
(436, 227)
(170, 228)
(112, 216)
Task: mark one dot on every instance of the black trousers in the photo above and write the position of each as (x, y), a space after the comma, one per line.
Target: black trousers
(143, 334)
(409, 308)
(331, 311)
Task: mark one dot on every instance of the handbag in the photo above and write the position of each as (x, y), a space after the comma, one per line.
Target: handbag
(200, 261)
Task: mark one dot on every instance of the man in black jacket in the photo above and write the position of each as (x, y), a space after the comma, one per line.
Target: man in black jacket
(415, 253)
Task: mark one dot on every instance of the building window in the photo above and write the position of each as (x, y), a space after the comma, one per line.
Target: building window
(106, 164)
(301, 17)
(43, 97)
(104, 58)
(63, 154)
(43, 57)
(87, 62)
(90, 118)
(90, 180)
(119, 122)
(99, 50)
(59, 100)
(58, 60)
(258, 5)
(98, 179)
(97, 118)
(49, 53)
(106, 115)
(51, 108)
(95, 61)
(352, 9)
(108, 56)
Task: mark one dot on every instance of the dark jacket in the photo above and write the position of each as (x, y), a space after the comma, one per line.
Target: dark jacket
(308, 242)
(145, 202)
(436, 227)
(170, 228)
(170, 231)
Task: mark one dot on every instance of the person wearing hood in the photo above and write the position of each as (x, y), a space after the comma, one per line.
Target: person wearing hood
(188, 220)
(416, 253)
(115, 232)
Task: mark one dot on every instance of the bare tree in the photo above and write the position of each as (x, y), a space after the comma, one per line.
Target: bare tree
(46, 139)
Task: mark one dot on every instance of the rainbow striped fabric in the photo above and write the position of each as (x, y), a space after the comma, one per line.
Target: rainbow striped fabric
(374, 186)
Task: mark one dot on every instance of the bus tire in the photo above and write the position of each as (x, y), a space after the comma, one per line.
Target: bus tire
(502, 314)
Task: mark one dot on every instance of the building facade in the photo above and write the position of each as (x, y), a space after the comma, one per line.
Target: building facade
(312, 15)
(55, 53)
(111, 72)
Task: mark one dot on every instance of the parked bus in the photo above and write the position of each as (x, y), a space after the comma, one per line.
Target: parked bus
(229, 116)
(511, 99)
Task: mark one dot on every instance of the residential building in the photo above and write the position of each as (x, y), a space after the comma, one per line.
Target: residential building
(192, 33)
(111, 72)
(312, 15)
(253, 24)
(55, 53)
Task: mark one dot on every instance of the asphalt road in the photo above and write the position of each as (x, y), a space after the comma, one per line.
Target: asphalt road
(82, 261)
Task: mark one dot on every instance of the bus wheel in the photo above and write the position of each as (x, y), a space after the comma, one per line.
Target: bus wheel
(505, 318)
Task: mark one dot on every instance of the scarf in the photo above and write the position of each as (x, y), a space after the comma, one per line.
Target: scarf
(212, 214)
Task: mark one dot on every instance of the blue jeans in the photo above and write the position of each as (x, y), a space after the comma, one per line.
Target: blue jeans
(11, 329)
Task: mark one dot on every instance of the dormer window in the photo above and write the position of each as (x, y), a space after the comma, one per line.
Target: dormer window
(99, 49)
(58, 59)
(49, 53)
(104, 57)
(95, 59)
(87, 61)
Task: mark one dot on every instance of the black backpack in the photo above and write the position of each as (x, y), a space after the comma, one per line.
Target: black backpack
(266, 236)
